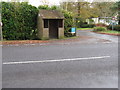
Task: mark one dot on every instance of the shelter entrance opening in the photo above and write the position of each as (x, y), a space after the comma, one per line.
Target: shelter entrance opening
(53, 28)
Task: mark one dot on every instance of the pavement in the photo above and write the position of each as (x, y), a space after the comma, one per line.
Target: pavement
(90, 61)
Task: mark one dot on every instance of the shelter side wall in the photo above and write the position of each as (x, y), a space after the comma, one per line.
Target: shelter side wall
(61, 32)
(40, 27)
(45, 33)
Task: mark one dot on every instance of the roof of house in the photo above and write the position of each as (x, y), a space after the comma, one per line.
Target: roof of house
(51, 14)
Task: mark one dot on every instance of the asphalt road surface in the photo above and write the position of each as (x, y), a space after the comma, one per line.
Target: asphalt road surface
(91, 63)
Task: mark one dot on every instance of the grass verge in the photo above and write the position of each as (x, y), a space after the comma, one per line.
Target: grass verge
(109, 32)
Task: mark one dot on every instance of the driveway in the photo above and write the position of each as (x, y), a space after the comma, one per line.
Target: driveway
(90, 61)
(95, 37)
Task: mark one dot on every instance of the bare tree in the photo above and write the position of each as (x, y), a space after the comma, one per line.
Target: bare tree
(45, 2)
(19, 0)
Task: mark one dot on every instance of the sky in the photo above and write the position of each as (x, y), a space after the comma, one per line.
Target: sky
(38, 2)
(52, 2)
(55, 2)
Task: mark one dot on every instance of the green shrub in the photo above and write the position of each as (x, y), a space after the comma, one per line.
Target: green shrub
(84, 26)
(91, 25)
(19, 21)
(68, 22)
(87, 26)
(46, 7)
(109, 27)
(85, 23)
(115, 27)
(80, 22)
(54, 7)
(99, 29)
(91, 21)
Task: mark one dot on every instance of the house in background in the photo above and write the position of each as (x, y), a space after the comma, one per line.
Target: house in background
(50, 24)
(105, 20)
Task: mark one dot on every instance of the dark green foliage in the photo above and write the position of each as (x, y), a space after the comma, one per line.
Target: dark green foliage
(54, 7)
(82, 24)
(19, 21)
(68, 23)
(91, 25)
(99, 29)
(79, 22)
(116, 7)
(109, 27)
(115, 27)
(46, 7)
(91, 21)
(87, 25)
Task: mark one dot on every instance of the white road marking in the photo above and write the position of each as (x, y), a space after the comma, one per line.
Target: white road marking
(107, 42)
(26, 44)
(59, 60)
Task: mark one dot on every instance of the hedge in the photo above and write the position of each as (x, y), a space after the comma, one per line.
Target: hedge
(19, 21)
(87, 26)
(68, 23)
(99, 29)
(115, 27)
